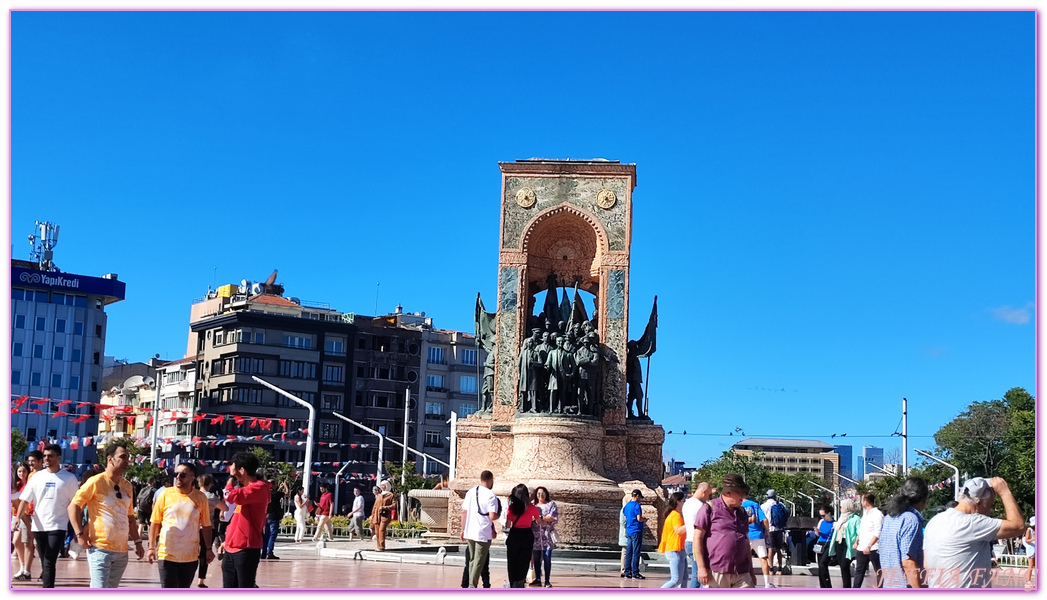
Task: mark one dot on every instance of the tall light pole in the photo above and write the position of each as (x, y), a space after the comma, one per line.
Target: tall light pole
(403, 462)
(308, 470)
(905, 437)
(454, 445)
(956, 471)
(847, 478)
(811, 503)
(836, 498)
(878, 468)
(791, 503)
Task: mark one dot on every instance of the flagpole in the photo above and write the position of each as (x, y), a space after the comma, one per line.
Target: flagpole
(646, 385)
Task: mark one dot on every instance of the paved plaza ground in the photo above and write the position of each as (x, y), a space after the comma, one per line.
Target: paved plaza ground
(300, 567)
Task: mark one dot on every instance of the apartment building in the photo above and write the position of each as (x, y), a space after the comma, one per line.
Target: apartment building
(452, 379)
(237, 332)
(58, 331)
(793, 456)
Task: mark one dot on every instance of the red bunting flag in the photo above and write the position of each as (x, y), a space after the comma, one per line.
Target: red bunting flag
(59, 413)
(88, 440)
(149, 423)
(81, 418)
(283, 423)
(14, 411)
(266, 424)
(238, 420)
(41, 401)
(63, 403)
(131, 421)
(74, 443)
(254, 423)
(218, 419)
(21, 400)
(82, 404)
(37, 411)
(283, 436)
(199, 417)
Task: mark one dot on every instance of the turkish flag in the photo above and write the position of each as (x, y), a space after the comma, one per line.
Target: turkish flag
(74, 443)
(238, 420)
(266, 424)
(81, 418)
(254, 423)
(283, 423)
(41, 401)
(21, 400)
(131, 421)
(63, 403)
(218, 419)
(199, 417)
(60, 413)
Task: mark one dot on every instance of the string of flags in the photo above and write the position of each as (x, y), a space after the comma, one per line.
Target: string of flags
(944, 484)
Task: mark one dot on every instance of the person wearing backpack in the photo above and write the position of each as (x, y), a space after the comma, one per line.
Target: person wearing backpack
(779, 518)
(145, 506)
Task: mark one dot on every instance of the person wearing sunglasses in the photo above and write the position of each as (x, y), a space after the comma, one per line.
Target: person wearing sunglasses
(180, 516)
(50, 491)
(108, 498)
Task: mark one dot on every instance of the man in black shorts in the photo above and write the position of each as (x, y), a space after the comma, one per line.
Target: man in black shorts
(776, 536)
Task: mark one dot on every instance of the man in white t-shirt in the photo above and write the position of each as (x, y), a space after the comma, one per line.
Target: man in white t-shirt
(957, 544)
(701, 495)
(868, 542)
(775, 535)
(480, 509)
(51, 491)
(356, 515)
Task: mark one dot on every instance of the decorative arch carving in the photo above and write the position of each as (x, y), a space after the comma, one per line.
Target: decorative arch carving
(568, 241)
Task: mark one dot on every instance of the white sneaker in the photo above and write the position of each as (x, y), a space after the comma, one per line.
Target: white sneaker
(769, 585)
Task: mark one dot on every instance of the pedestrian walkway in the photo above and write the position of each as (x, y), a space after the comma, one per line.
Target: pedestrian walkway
(301, 567)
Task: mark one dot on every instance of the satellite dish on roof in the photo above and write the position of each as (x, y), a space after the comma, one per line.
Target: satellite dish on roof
(137, 381)
(257, 288)
(245, 286)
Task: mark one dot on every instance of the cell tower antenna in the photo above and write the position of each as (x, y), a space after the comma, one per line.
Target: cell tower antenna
(44, 245)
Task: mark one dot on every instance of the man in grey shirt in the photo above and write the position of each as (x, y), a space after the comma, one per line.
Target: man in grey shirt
(958, 542)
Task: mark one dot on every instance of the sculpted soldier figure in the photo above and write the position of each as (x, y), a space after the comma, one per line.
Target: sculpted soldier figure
(634, 379)
(528, 366)
(541, 372)
(588, 360)
(560, 364)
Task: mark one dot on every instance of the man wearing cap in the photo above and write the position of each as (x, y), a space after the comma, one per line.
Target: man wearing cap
(721, 538)
(775, 535)
(698, 499)
(958, 541)
(634, 521)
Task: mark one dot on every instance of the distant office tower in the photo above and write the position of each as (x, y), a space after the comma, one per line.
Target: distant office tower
(846, 463)
(871, 454)
(58, 326)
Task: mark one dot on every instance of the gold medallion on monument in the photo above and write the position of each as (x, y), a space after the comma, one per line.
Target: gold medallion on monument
(605, 199)
(525, 198)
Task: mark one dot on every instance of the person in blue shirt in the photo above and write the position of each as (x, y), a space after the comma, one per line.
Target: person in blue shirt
(634, 521)
(901, 536)
(758, 528)
(824, 529)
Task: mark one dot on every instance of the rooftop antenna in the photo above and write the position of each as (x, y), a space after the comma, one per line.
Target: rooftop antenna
(43, 247)
(377, 286)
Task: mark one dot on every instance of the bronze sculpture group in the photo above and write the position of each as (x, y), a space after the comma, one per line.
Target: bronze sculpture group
(559, 369)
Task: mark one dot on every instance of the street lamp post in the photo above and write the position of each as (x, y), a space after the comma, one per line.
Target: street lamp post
(956, 471)
(811, 500)
(308, 470)
(836, 498)
(381, 439)
(791, 503)
(847, 478)
(403, 461)
(879, 468)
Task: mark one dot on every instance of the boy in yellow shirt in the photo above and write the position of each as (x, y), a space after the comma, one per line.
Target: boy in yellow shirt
(179, 513)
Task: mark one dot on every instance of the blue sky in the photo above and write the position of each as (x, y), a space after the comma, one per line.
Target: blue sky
(836, 210)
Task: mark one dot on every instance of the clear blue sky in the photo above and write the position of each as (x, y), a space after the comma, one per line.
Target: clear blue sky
(835, 210)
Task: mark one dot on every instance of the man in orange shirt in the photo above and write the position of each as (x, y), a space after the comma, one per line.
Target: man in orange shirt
(180, 517)
(108, 499)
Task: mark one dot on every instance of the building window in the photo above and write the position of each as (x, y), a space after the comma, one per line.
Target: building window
(75, 355)
(469, 357)
(468, 385)
(16, 349)
(94, 386)
(434, 408)
(433, 439)
(330, 431)
(56, 380)
(16, 377)
(74, 382)
(297, 369)
(465, 409)
(334, 374)
(59, 325)
(296, 341)
(361, 343)
(78, 328)
(58, 353)
(19, 321)
(41, 323)
(38, 350)
(259, 337)
(436, 356)
(219, 338)
(434, 381)
(334, 346)
(331, 402)
(361, 371)
(98, 331)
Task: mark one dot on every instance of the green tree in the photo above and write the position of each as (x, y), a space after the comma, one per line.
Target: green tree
(412, 481)
(1021, 448)
(265, 460)
(19, 445)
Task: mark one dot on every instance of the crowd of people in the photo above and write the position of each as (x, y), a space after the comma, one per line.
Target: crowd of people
(184, 521)
(720, 535)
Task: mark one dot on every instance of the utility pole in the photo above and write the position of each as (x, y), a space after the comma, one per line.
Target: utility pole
(905, 437)
(403, 462)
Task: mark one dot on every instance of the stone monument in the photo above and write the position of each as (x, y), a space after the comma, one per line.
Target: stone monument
(555, 412)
